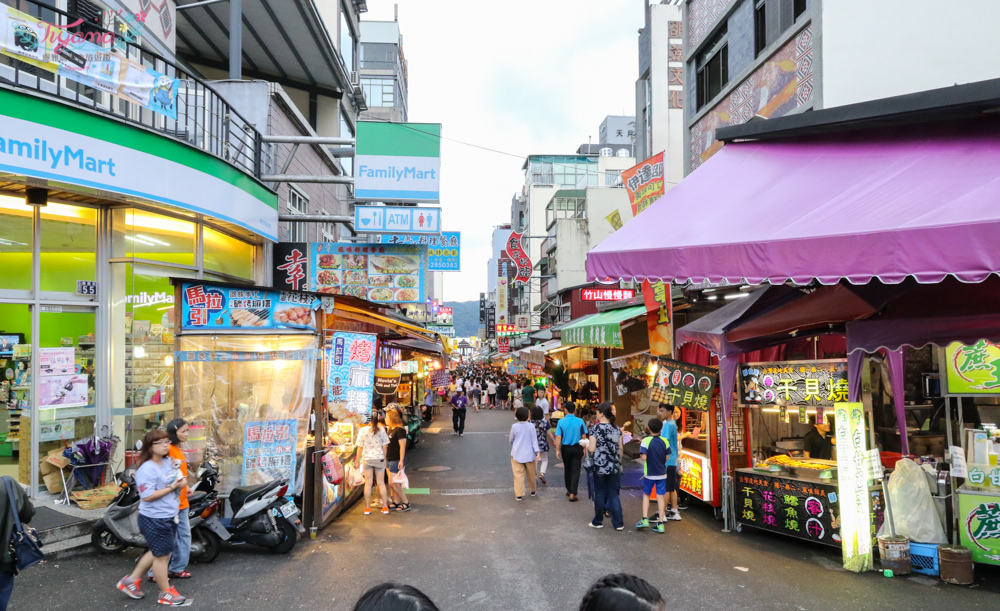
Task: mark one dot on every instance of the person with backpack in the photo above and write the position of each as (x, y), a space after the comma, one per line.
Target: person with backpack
(653, 452)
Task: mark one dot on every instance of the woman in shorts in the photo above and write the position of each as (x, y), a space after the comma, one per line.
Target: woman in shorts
(158, 480)
(372, 442)
(395, 456)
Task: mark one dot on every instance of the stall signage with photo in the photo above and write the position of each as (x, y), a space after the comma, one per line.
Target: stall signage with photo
(809, 383)
(269, 451)
(659, 314)
(207, 306)
(397, 162)
(439, 378)
(797, 508)
(630, 373)
(696, 475)
(644, 183)
(973, 370)
(386, 381)
(406, 367)
(852, 479)
(979, 525)
(593, 294)
(684, 385)
(391, 273)
(397, 219)
(350, 362)
(443, 251)
(516, 252)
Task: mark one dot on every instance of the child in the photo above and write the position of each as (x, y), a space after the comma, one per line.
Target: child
(653, 451)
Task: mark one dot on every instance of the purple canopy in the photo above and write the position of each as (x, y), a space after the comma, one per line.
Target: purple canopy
(884, 205)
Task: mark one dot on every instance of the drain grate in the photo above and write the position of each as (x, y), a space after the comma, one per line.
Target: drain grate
(473, 491)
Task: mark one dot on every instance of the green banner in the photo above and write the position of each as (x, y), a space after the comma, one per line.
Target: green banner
(973, 370)
(852, 479)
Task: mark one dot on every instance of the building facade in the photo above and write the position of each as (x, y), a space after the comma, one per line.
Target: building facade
(382, 72)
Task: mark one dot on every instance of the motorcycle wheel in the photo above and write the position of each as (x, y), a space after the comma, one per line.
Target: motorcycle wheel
(209, 543)
(289, 537)
(104, 540)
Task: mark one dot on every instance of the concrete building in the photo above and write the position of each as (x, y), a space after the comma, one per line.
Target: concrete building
(758, 59)
(382, 72)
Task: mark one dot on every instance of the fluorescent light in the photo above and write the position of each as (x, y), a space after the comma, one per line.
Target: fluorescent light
(6, 242)
(153, 240)
(712, 298)
(140, 240)
(731, 296)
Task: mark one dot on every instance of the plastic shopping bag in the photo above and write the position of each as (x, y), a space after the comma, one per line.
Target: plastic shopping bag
(357, 476)
(401, 479)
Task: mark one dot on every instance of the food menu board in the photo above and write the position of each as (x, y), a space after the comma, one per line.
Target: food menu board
(796, 507)
(208, 306)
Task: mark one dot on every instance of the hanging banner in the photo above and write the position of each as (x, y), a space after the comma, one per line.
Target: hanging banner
(268, 451)
(516, 252)
(973, 370)
(644, 183)
(350, 376)
(852, 479)
(207, 306)
(659, 315)
(684, 385)
(443, 251)
(439, 378)
(502, 306)
(809, 383)
(615, 220)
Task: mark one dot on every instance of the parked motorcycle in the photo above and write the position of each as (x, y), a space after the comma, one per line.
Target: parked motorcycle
(119, 528)
(412, 422)
(263, 516)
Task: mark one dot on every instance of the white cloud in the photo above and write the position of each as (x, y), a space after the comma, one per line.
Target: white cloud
(521, 77)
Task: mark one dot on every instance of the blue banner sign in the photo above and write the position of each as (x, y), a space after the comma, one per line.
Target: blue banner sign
(269, 451)
(443, 251)
(208, 306)
(397, 219)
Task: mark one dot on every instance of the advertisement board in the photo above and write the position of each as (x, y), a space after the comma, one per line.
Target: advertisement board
(211, 307)
(979, 525)
(598, 294)
(398, 162)
(350, 375)
(644, 183)
(684, 385)
(269, 451)
(696, 475)
(809, 383)
(973, 370)
(397, 219)
(444, 252)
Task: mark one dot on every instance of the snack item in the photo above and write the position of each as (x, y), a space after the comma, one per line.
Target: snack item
(355, 277)
(355, 261)
(380, 294)
(406, 295)
(406, 281)
(294, 315)
(249, 318)
(329, 261)
(328, 277)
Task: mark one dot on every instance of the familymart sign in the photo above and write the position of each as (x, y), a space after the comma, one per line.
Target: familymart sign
(398, 162)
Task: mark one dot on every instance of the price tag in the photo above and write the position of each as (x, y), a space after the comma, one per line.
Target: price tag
(86, 288)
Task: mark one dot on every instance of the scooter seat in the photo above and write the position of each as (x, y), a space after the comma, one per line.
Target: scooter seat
(195, 498)
(241, 495)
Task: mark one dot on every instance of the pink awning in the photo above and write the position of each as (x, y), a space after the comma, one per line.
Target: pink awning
(887, 205)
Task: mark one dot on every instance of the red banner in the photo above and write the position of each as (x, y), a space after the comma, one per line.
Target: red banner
(516, 252)
(503, 345)
(644, 183)
(659, 315)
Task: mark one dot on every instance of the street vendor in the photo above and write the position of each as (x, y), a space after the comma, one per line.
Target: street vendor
(818, 443)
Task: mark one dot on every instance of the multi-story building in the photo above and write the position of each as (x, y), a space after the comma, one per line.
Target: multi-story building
(382, 72)
(747, 59)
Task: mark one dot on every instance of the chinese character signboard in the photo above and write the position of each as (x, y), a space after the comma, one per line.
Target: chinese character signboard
(207, 306)
(615, 220)
(439, 378)
(516, 252)
(684, 385)
(443, 251)
(979, 525)
(795, 507)
(392, 273)
(808, 383)
(269, 451)
(397, 162)
(350, 375)
(599, 294)
(852, 475)
(644, 183)
(973, 370)
(696, 475)
(659, 314)
(503, 345)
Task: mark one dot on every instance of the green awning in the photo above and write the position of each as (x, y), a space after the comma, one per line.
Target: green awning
(602, 330)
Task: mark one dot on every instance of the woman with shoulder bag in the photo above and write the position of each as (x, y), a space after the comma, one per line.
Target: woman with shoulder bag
(395, 456)
(605, 446)
(372, 443)
(25, 511)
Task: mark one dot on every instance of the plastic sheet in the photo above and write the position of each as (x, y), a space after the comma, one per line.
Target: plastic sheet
(913, 511)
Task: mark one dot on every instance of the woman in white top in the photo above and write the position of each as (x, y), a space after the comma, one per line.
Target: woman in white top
(372, 443)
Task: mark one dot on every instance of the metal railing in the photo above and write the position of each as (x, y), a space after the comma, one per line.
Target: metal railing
(204, 119)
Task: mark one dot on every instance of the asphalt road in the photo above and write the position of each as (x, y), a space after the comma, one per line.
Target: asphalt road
(469, 545)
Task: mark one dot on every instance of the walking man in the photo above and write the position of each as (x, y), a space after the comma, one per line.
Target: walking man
(569, 432)
(458, 405)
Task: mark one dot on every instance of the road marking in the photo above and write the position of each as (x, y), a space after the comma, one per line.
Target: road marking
(473, 491)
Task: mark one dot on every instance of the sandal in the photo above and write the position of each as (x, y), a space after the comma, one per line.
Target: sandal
(403, 507)
(181, 575)
(393, 505)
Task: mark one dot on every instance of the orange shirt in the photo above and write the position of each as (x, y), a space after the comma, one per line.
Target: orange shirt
(177, 453)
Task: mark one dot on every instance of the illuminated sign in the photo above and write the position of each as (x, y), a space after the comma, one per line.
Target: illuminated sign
(606, 294)
(696, 475)
(506, 328)
(973, 370)
(852, 479)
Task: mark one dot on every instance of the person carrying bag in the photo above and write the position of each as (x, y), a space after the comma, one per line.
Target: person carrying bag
(23, 550)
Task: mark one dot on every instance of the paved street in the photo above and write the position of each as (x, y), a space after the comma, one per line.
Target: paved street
(469, 545)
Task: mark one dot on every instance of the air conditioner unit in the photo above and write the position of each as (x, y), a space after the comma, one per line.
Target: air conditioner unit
(354, 79)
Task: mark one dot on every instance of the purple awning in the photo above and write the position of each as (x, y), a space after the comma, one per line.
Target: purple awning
(887, 205)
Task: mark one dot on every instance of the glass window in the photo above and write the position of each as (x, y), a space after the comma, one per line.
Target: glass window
(759, 27)
(227, 255)
(297, 204)
(713, 69)
(379, 92)
(69, 246)
(378, 55)
(346, 42)
(15, 242)
(142, 234)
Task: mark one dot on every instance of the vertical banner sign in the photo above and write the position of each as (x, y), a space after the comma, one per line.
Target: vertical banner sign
(659, 315)
(350, 376)
(501, 300)
(269, 451)
(644, 183)
(855, 518)
(515, 251)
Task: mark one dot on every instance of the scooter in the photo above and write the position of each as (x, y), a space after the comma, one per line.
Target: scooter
(263, 516)
(412, 422)
(119, 528)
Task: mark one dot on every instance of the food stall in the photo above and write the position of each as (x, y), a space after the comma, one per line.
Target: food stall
(973, 375)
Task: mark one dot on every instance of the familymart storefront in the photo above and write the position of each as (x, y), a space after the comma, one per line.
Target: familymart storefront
(97, 216)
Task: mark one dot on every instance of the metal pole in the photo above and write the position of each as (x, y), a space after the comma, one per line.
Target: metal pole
(236, 39)
(308, 139)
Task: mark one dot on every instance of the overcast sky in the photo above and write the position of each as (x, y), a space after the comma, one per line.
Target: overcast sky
(519, 77)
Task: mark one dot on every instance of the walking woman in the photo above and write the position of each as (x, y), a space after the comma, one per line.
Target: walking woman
(158, 482)
(606, 448)
(373, 441)
(395, 456)
(25, 511)
(544, 433)
(523, 452)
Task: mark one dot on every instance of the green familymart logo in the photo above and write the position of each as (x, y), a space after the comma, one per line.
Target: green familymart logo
(56, 156)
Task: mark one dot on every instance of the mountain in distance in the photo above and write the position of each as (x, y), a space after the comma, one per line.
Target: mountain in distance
(465, 317)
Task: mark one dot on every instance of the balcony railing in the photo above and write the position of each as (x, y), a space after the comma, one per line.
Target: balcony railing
(204, 119)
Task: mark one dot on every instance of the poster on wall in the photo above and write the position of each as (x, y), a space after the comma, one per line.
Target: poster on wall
(56, 361)
(269, 451)
(63, 391)
(350, 376)
(809, 383)
(208, 306)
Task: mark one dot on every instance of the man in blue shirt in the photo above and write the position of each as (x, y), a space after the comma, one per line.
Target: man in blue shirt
(569, 432)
